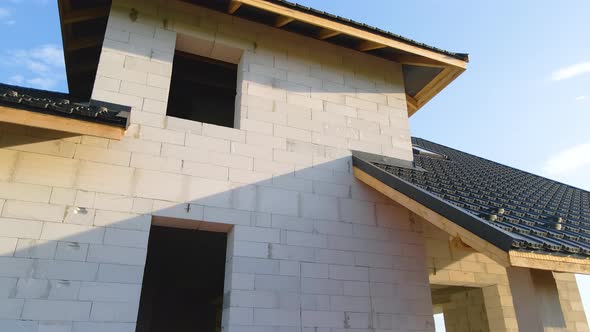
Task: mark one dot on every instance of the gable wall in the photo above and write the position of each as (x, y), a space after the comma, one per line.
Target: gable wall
(319, 249)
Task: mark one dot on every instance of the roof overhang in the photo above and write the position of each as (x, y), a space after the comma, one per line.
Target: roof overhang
(426, 70)
(55, 122)
(466, 228)
(83, 26)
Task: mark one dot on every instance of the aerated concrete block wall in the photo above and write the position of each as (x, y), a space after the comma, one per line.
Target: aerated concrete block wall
(450, 265)
(310, 248)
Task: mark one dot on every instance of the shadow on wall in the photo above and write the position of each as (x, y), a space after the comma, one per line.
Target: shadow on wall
(81, 257)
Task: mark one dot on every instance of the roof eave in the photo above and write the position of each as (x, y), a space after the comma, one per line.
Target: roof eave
(490, 241)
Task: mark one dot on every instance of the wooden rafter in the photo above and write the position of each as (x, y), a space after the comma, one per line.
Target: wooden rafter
(369, 45)
(327, 33)
(417, 61)
(85, 14)
(352, 31)
(454, 230)
(233, 6)
(282, 21)
(59, 123)
(412, 104)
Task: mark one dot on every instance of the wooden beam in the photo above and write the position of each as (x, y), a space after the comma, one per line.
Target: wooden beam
(233, 6)
(414, 60)
(412, 104)
(85, 14)
(470, 239)
(327, 33)
(77, 44)
(282, 21)
(369, 45)
(354, 32)
(59, 123)
(549, 262)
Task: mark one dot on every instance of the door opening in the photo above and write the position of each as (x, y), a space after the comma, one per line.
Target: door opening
(183, 281)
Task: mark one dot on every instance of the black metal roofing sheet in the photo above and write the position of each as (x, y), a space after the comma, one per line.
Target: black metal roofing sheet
(60, 104)
(505, 206)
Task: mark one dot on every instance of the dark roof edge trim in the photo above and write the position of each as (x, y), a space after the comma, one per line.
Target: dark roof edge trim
(375, 158)
(493, 235)
(368, 28)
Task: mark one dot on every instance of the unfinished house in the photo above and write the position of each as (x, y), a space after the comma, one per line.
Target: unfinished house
(246, 166)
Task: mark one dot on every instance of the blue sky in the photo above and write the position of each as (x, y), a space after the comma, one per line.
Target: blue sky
(524, 100)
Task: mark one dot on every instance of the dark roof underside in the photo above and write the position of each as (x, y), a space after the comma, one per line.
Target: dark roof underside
(492, 200)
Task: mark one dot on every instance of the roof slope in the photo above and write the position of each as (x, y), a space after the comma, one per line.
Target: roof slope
(60, 104)
(509, 208)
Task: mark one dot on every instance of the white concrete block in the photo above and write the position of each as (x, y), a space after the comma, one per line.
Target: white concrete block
(306, 239)
(103, 326)
(122, 220)
(66, 270)
(357, 211)
(312, 270)
(7, 245)
(20, 228)
(72, 233)
(116, 255)
(32, 289)
(256, 234)
(207, 143)
(33, 211)
(62, 196)
(120, 273)
(109, 292)
(349, 273)
(102, 155)
(278, 201)
(277, 317)
(15, 267)
(31, 248)
(71, 251)
(277, 283)
(319, 206)
(11, 308)
(114, 312)
(323, 319)
(231, 134)
(126, 238)
(56, 310)
(205, 170)
(41, 169)
(25, 192)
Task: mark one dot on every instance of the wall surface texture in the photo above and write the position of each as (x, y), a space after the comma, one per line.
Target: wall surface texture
(310, 248)
(453, 265)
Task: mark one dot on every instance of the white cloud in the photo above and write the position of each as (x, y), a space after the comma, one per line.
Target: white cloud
(44, 83)
(6, 16)
(4, 12)
(580, 98)
(571, 71)
(568, 160)
(39, 67)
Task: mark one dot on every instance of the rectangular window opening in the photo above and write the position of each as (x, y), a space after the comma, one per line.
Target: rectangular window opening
(203, 89)
(183, 281)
